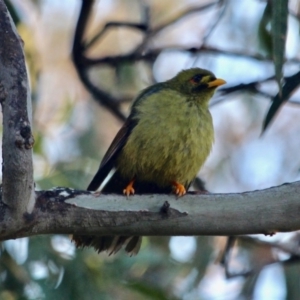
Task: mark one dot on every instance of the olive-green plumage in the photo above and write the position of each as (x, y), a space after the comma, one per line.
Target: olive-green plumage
(164, 142)
(172, 139)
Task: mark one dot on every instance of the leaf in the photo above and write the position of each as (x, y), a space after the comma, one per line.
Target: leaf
(279, 32)
(292, 272)
(150, 292)
(290, 85)
(264, 34)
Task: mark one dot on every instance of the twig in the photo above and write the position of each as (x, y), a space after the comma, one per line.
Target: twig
(142, 27)
(223, 5)
(152, 32)
(81, 65)
(225, 258)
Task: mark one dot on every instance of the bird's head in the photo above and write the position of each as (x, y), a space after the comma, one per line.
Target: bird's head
(196, 83)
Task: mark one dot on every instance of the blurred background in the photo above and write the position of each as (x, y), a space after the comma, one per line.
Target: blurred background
(84, 74)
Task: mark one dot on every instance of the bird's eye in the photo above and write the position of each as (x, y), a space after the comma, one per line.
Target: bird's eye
(197, 78)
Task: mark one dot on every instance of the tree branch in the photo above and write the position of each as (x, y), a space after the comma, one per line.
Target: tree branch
(67, 211)
(176, 18)
(80, 62)
(18, 185)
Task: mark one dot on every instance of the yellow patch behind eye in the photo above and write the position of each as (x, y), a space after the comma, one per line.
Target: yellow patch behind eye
(206, 79)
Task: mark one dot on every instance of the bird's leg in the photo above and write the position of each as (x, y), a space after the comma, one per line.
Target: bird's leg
(179, 188)
(129, 190)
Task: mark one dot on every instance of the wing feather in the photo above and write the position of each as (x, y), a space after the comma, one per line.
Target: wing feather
(109, 159)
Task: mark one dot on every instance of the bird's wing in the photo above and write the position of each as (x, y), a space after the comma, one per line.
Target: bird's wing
(109, 159)
(108, 162)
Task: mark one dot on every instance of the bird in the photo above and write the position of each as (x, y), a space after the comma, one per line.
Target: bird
(161, 147)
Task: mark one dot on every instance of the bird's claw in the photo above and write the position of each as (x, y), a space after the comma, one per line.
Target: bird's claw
(129, 190)
(179, 189)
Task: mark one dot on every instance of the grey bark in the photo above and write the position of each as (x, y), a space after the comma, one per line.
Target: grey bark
(68, 211)
(17, 185)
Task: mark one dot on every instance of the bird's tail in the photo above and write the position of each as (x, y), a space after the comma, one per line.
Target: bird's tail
(111, 244)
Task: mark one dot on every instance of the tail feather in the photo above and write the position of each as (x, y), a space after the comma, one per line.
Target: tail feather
(110, 244)
(117, 244)
(134, 245)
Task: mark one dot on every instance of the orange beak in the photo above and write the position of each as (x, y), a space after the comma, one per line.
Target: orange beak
(216, 82)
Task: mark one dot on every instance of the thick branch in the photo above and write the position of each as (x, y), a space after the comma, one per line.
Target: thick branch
(68, 211)
(18, 185)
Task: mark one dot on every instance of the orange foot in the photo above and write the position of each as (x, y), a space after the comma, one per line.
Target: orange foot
(129, 190)
(179, 188)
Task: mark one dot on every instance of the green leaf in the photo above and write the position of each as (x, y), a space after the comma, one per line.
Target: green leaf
(150, 292)
(279, 32)
(264, 33)
(291, 83)
(292, 272)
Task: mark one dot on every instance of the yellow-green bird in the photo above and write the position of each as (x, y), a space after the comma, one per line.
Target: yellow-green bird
(160, 148)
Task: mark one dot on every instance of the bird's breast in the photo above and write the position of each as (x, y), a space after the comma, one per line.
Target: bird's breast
(169, 143)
